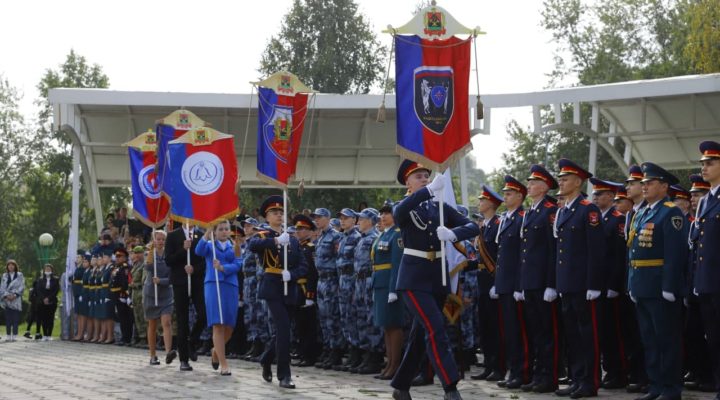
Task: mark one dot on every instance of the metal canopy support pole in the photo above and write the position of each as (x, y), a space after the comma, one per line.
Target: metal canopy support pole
(594, 124)
(464, 182)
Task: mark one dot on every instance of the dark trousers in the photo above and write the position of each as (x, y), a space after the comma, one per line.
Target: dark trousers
(660, 332)
(32, 317)
(612, 338)
(542, 323)
(633, 343)
(580, 320)
(517, 346)
(185, 336)
(710, 308)
(46, 317)
(237, 341)
(12, 321)
(125, 316)
(306, 325)
(279, 342)
(428, 319)
(697, 356)
(490, 326)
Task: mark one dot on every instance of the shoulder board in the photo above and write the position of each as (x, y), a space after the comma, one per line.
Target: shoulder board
(669, 204)
(262, 234)
(585, 202)
(548, 204)
(617, 213)
(521, 213)
(397, 229)
(497, 221)
(311, 244)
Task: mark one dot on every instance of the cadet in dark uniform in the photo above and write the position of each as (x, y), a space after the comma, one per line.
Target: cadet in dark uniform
(420, 276)
(306, 322)
(179, 242)
(269, 247)
(508, 288)
(580, 279)
(707, 273)
(655, 281)
(81, 308)
(537, 269)
(612, 340)
(119, 292)
(490, 313)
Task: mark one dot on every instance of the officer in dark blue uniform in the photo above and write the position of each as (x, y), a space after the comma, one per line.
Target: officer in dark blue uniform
(537, 281)
(580, 275)
(420, 276)
(508, 287)
(655, 281)
(269, 247)
(306, 322)
(488, 307)
(612, 341)
(707, 273)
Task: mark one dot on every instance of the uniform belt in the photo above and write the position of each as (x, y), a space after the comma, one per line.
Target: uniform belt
(658, 262)
(327, 274)
(105, 285)
(78, 281)
(381, 267)
(302, 281)
(273, 270)
(428, 255)
(347, 270)
(115, 289)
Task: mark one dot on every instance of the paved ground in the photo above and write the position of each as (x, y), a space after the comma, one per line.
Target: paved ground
(66, 370)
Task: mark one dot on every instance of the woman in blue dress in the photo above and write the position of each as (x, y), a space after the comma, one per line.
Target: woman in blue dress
(224, 264)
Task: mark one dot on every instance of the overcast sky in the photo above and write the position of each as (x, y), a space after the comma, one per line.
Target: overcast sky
(215, 46)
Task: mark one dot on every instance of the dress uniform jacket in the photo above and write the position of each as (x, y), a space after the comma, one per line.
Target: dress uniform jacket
(418, 218)
(386, 255)
(272, 261)
(507, 275)
(308, 284)
(616, 250)
(537, 261)
(176, 258)
(657, 253)
(707, 235)
(580, 248)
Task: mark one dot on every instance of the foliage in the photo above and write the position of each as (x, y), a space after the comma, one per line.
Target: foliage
(703, 42)
(329, 45)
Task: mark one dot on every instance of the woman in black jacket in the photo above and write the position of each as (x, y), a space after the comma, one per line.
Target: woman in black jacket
(46, 289)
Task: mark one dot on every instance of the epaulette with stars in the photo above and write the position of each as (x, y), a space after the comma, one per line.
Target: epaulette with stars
(585, 202)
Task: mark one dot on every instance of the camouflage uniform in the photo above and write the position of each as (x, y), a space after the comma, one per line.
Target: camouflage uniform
(138, 277)
(327, 290)
(252, 307)
(370, 337)
(470, 318)
(345, 268)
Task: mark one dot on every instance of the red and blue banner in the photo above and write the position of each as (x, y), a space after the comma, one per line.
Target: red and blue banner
(280, 126)
(203, 176)
(433, 122)
(149, 206)
(170, 128)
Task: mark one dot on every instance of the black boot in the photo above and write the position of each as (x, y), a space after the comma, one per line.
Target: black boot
(251, 350)
(322, 357)
(373, 364)
(255, 355)
(335, 359)
(361, 363)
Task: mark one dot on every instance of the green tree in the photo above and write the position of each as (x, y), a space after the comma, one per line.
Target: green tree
(329, 45)
(703, 41)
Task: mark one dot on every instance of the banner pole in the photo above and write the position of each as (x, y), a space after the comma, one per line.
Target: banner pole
(188, 236)
(155, 266)
(217, 280)
(285, 266)
(441, 197)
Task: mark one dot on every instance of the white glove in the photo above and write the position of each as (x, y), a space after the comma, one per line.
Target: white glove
(493, 295)
(286, 275)
(392, 297)
(80, 298)
(695, 292)
(550, 295)
(634, 300)
(309, 303)
(686, 302)
(128, 301)
(437, 184)
(668, 296)
(592, 294)
(446, 234)
(518, 296)
(611, 294)
(283, 239)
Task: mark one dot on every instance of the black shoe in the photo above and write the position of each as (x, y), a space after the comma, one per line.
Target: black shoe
(648, 396)
(583, 392)
(420, 380)
(287, 383)
(192, 353)
(614, 383)
(567, 391)
(503, 383)
(454, 395)
(544, 387)
(636, 388)
(563, 380)
(28, 335)
(401, 395)
(527, 386)
(154, 361)
(38, 336)
(225, 373)
(675, 397)
(481, 376)
(495, 376)
(689, 377)
(171, 355)
(215, 364)
(185, 366)
(267, 372)
(514, 383)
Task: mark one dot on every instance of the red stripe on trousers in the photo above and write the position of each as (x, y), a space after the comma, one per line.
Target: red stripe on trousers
(523, 337)
(431, 335)
(556, 342)
(596, 362)
(618, 333)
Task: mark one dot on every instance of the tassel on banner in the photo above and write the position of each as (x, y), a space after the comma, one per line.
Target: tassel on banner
(479, 109)
(301, 187)
(381, 113)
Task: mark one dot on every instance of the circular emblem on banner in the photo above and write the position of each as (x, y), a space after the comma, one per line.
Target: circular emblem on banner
(202, 173)
(148, 182)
